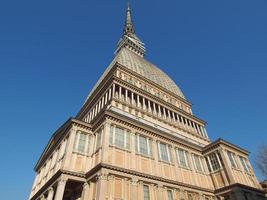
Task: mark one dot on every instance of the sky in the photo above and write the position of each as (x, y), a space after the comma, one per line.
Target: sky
(53, 52)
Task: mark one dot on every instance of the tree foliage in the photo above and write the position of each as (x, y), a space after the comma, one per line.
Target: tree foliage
(261, 160)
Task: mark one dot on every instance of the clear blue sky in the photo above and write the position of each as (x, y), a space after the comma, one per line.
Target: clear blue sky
(52, 53)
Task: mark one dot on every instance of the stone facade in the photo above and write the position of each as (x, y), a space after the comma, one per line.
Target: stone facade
(136, 138)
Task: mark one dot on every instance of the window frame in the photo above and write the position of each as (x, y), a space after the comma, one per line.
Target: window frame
(168, 151)
(148, 143)
(200, 162)
(148, 192)
(170, 194)
(77, 142)
(185, 157)
(126, 137)
(232, 159)
(244, 164)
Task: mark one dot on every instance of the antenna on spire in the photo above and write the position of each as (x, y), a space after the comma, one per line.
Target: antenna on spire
(129, 28)
(129, 39)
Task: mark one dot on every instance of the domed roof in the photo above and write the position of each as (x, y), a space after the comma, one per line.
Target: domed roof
(146, 69)
(139, 65)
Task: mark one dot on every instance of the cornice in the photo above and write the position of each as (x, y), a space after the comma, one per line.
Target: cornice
(56, 138)
(150, 130)
(219, 142)
(94, 171)
(238, 185)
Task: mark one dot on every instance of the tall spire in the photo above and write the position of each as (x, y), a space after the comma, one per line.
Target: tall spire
(128, 28)
(129, 39)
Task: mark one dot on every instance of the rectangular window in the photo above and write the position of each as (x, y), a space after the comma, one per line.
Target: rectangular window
(146, 192)
(182, 156)
(170, 196)
(119, 137)
(214, 162)
(143, 145)
(198, 163)
(244, 164)
(164, 152)
(231, 157)
(81, 144)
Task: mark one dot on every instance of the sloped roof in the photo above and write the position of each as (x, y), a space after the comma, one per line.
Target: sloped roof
(139, 65)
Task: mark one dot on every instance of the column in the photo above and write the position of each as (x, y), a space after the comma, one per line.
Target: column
(132, 98)
(144, 103)
(120, 92)
(199, 132)
(134, 188)
(138, 101)
(85, 192)
(106, 98)
(42, 197)
(50, 194)
(160, 192)
(60, 189)
(113, 90)
(202, 130)
(227, 166)
(205, 132)
(126, 95)
(159, 110)
(154, 109)
(149, 106)
(102, 186)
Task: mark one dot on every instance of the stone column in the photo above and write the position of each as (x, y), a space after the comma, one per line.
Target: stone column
(113, 90)
(227, 166)
(160, 192)
(126, 95)
(120, 92)
(144, 103)
(85, 192)
(42, 197)
(102, 186)
(60, 189)
(138, 101)
(134, 188)
(149, 106)
(50, 193)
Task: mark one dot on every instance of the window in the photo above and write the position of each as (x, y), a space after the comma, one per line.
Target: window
(244, 164)
(164, 152)
(231, 157)
(182, 156)
(81, 142)
(198, 163)
(98, 138)
(146, 192)
(119, 137)
(143, 145)
(214, 162)
(170, 196)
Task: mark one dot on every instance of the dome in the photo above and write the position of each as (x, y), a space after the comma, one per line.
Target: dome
(139, 65)
(146, 69)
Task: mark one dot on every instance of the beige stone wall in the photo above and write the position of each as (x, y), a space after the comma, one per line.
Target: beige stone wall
(121, 186)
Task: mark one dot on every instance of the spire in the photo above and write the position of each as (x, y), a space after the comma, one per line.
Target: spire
(129, 39)
(128, 28)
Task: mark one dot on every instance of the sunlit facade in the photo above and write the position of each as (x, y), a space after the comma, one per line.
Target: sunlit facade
(136, 138)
